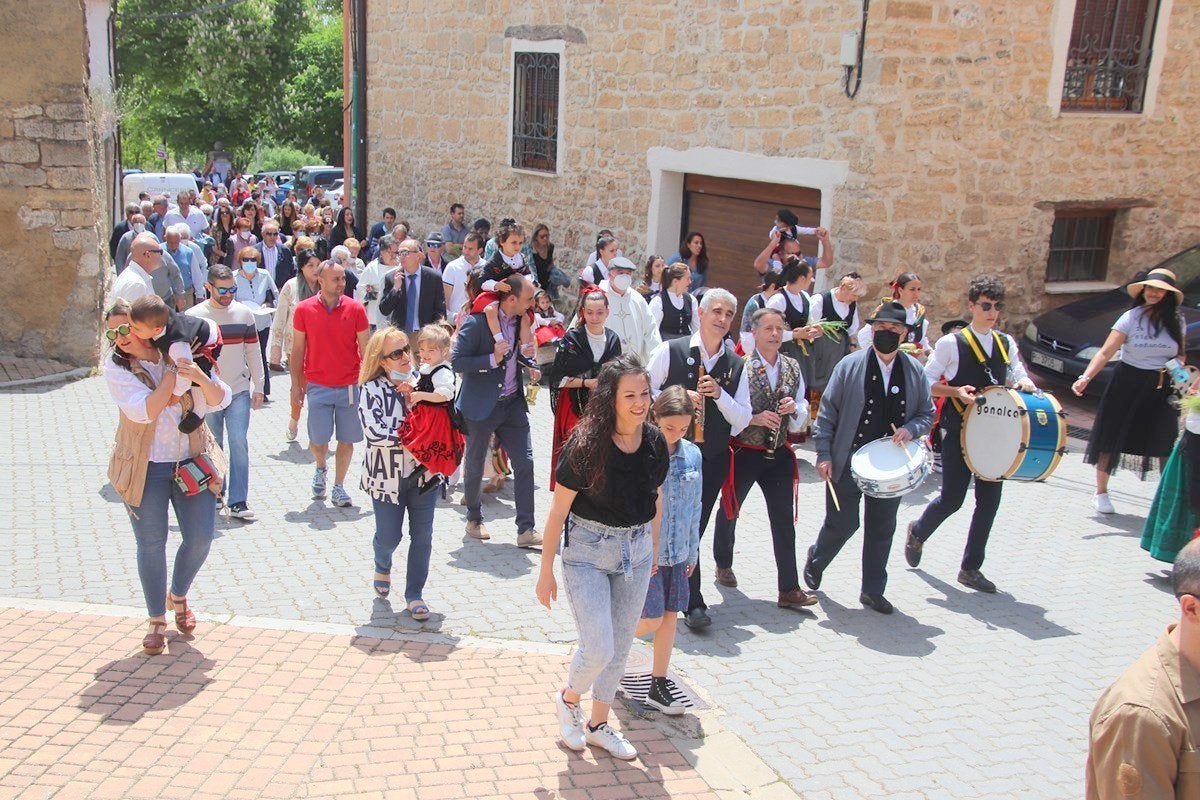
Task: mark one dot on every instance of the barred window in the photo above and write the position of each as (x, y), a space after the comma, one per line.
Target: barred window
(535, 111)
(1079, 245)
(1109, 56)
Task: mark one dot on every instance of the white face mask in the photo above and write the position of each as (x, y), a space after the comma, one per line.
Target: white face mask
(139, 227)
(622, 282)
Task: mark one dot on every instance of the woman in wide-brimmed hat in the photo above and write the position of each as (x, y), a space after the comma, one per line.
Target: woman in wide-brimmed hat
(1134, 417)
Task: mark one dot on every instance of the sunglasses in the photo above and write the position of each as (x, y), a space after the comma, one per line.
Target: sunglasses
(397, 353)
(269, 234)
(121, 330)
(157, 251)
(224, 290)
(988, 306)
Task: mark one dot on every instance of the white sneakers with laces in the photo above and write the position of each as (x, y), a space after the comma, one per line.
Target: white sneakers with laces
(613, 741)
(570, 723)
(1103, 504)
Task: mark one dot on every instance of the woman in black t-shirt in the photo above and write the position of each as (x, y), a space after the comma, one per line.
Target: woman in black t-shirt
(607, 495)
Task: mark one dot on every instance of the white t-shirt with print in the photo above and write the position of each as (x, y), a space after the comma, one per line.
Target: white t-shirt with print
(1143, 348)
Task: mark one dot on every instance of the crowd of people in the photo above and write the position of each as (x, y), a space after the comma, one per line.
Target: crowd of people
(667, 407)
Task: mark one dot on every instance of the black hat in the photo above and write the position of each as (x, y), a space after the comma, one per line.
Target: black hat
(951, 325)
(890, 312)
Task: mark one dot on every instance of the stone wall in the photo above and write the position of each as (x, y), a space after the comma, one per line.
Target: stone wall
(950, 142)
(50, 191)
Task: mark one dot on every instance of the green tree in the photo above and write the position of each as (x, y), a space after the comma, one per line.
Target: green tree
(313, 98)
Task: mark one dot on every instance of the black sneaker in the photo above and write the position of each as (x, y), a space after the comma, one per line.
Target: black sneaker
(662, 695)
(242, 511)
(697, 618)
(912, 547)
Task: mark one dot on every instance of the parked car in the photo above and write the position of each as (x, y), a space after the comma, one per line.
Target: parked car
(1061, 342)
(281, 192)
(280, 175)
(334, 193)
(308, 178)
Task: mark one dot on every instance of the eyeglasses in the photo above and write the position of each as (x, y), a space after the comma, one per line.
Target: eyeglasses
(397, 353)
(988, 306)
(121, 330)
(157, 251)
(270, 234)
(224, 290)
(403, 252)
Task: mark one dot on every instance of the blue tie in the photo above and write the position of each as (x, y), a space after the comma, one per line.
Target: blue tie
(411, 312)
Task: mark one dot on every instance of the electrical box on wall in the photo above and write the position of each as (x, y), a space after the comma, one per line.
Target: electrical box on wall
(849, 56)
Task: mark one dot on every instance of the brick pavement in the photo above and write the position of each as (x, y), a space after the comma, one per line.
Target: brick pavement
(16, 369)
(237, 712)
(947, 698)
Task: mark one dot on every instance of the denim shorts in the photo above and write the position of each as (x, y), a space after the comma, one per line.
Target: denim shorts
(668, 591)
(333, 414)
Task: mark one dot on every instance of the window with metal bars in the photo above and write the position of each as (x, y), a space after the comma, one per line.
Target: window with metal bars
(1109, 55)
(535, 111)
(1079, 245)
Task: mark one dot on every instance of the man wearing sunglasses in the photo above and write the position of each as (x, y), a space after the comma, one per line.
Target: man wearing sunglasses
(955, 371)
(240, 365)
(145, 257)
(1144, 729)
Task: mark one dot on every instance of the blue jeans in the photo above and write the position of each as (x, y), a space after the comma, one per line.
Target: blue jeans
(389, 530)
(509, 420)
(234, 419)
(197, 517)
(606, 572)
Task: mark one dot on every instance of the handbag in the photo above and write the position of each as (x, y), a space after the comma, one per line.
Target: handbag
(195, 474)
(208, 467)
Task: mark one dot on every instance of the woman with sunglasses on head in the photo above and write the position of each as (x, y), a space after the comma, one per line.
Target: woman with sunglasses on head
(391, 474)
(148, 449)
(906, 290)
(300, 287)
(962, 364)
(1134, 417)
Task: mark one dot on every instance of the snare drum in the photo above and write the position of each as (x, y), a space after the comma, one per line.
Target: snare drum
(884, 469)
(1011, 435)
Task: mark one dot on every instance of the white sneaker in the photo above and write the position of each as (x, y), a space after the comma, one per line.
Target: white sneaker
(570, 723)
(1103, 504)
(611, 740)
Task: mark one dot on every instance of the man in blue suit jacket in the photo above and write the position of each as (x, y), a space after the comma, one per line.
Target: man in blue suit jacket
(492, 400)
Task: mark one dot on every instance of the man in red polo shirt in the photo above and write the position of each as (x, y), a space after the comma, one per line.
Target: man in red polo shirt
(330, 337)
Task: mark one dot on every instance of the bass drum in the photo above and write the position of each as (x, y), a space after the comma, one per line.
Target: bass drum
(1012, 435)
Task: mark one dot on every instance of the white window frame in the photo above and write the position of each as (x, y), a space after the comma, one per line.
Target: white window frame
(1063, 20)
(557, 46)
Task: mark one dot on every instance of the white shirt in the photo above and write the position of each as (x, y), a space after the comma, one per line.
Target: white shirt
(629, 318)
(944, 361)
(885, 369)
(455, 276)
(842, 309)
(779, 302)
(443, 379)
(169, 444)
(1144, 348)
(735, 408)
(597, 344)
(800, 419)
(195, 219)
(132, 283)
(270, 259)
(585, 274)
(373, 275)
(677, 301)
(541, 320)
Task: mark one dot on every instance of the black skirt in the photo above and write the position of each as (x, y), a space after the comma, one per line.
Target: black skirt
(1134, 419)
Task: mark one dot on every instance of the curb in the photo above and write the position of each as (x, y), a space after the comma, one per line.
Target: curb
(57, 377)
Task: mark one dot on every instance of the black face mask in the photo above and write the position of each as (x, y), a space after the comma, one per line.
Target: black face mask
(885, 341)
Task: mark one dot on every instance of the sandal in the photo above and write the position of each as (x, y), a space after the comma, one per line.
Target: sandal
(418, 610)
(382, 587)
(185, 620)
(156, 640)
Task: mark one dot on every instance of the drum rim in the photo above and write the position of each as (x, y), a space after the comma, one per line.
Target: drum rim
(1062, 439)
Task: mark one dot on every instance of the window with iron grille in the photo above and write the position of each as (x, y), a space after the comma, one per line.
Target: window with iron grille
(1108, 59)
(535, 111)
(1079, 244)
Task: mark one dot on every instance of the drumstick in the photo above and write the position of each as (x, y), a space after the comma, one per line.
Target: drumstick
(833, 494)
(907, 456)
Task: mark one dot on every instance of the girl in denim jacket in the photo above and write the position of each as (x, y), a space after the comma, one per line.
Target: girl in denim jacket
(679, 543)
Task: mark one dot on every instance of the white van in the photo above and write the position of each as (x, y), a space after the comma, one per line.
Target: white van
(168, 183)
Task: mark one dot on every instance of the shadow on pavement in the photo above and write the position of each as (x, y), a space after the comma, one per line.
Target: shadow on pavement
(496, 556)
(1161, 581)
(322, 517)
(433, 648)
(736, 619)
(109, 494)
(1119, 525)
(294, 453)
(125, 690)
(1000, 610)
(896, 634)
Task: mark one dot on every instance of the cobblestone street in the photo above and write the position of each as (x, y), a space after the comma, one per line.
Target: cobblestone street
(956, 695)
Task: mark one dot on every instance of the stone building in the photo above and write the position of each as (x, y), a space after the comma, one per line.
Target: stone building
(981, 131)
(54, 163)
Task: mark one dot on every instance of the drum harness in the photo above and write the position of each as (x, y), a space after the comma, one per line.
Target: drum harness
(973, 343)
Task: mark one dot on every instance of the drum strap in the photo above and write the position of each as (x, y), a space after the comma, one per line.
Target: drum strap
(977, 349)
(729, 502)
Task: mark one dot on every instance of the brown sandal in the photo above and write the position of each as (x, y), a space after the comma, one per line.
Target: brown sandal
(156, 640)
(185, 620)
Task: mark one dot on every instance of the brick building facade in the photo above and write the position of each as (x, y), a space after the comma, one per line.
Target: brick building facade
(977, 125)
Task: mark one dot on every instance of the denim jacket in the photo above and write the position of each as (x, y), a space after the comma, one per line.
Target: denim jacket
(679, 531)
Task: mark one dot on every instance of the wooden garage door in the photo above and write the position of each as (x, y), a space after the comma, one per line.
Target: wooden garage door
(735, 217)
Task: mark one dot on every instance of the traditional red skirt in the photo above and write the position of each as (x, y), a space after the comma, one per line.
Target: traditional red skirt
(565, 421)
(427, 433)
(549, 334)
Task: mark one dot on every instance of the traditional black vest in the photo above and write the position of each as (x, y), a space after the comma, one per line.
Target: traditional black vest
(795, 317)
(676, 322)
(884, 407)
(915, 329)
(683, 369)
(992, 372)
(829, 313)
(764, 398)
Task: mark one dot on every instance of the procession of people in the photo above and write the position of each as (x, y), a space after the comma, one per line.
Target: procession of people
(666, 413)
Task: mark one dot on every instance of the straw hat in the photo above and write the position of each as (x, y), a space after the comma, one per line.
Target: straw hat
(1158, 278)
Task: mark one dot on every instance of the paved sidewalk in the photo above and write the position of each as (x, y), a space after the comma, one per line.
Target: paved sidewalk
(237, 712)
(16, 371)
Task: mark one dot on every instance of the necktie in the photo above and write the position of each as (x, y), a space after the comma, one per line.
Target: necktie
(410, 318)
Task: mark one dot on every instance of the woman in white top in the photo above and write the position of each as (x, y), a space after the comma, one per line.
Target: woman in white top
(839, 304)
(387, 382)
(256, 290)
(300, 287)
(1134, 417)
(652, 277)
(596, 269)
(906, 290)
(675, 311)
(148, 450)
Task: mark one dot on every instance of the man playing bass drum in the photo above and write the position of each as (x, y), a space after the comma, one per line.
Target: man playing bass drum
(970, 360)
